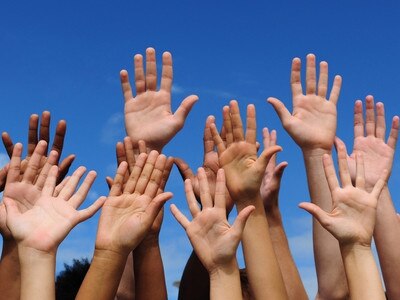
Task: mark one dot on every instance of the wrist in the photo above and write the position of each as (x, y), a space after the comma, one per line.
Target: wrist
(274, 216)
(351, 249)
(315, 152)
(226, 269)
(31, 256)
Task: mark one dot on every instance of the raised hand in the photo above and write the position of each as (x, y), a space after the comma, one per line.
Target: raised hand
(312, 124)
(36, 218)
(44, 135)
(133, 207)
(369, 140)
(353, 214)
(213, 239)
(238, 155)
(271, 182)
(210, 165)
(148, 115)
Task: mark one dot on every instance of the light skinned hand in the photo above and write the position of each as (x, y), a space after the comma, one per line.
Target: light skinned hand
(369, 140)
(312, 124)
(35, 217)
(148, 114)
(44, 134)
(213, 239)
(210, 165)
(238, 155)
(130, 209)
(353, 215)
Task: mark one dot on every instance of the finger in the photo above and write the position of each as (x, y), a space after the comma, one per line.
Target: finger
(32, 133)
(208, 141)
(220, 190)
(50, 183)
(140, 81)
(34, 166)
(265, 157)
(151, 70)
(335, 91)
(64, 167)
(295, 78)
(167, 72)
(59, 137)
(180, 217)
(369, 115)
(156, 204)
(360, 176)
(394, 133)
(3, 176)
(380, 184)
(266, 137)
(156, 176)
(380, 130)
(60, 186)
(135, 174)
(319, 214)
(311, 77)
(330, 173)
(120, 153)
(7, 142)
(109, 182)
(126, 86)
(251, 125)
(191, 198)
(130, 153)
(184, 109)
(323, 79)
(147, 170)
(166, 173)
(282, 112)
(205, 195)
(228, 129)
(344, 173)
(69, 189)
(358, 119)
(116, 188)
(183, 168)
(44, 130)
(219, 143)
(237, 125)
(241, 219)
(279, 169)
(222, 134)
(51, 160)
(81, 194)
(142, 147)
(88, 212)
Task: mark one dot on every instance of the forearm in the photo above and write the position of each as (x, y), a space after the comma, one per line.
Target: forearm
(149, 271)
(262, 268)
(103, 277)
(362, 273)
(291, 277)
(10, 273)
(37, 274)
(329, 266)
(195, 281)
(126, 287)
(387, 240)
(225, 283)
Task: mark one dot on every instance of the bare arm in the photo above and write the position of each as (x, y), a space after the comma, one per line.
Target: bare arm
(312, 125)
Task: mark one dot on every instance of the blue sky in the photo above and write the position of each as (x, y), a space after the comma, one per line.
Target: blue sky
(66, 57)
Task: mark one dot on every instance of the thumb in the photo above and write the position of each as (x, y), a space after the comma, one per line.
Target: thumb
(241, 219)
(183, 110)
(280, 109)
(318, 213)
(265, 156)
(183, 168)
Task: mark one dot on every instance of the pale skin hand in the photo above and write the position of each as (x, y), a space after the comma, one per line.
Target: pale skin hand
(148, 114)
(369, 140)
(44, 134)
(312, 124)
(210, 165)
(238, 156)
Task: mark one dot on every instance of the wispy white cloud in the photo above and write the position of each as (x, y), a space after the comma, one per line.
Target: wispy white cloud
(113, 129)
(177, 89)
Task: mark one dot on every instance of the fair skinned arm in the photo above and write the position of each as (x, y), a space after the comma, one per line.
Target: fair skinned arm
(369, 140)
(269, 190)
(312, 125)
(39, 218)
(211, 236)
(352, 221)
(148, 114)
(244, 172)
(126, 218)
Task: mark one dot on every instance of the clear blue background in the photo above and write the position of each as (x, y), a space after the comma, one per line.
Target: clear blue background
(65, 58)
